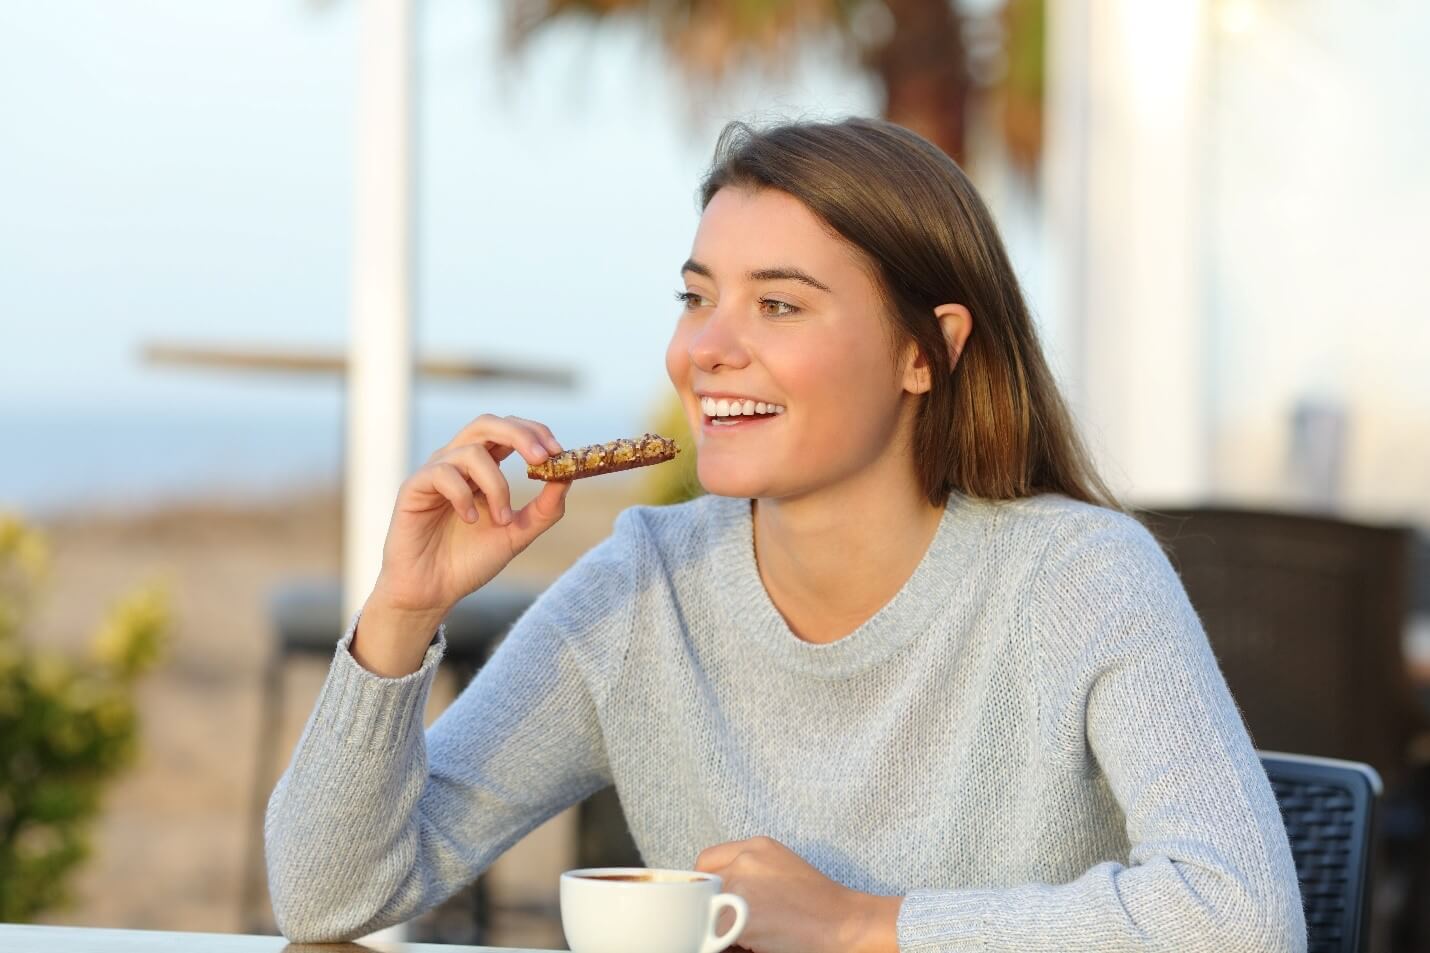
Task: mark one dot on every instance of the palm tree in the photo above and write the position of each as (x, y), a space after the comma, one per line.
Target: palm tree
(917, 49)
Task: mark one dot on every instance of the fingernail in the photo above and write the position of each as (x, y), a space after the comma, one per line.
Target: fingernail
(472, 515)
(505, 515)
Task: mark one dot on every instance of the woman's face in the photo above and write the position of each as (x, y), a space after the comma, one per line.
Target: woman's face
(779, 311)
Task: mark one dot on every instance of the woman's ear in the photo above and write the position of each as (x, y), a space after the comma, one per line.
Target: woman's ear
(957, 324)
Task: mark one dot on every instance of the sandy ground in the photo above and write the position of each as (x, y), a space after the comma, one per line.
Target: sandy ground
(169, 850)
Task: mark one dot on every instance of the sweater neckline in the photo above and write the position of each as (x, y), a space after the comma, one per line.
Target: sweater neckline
(756, 620)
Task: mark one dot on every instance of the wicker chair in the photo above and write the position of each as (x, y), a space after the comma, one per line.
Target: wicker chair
(1307, 616)
(1329, 807)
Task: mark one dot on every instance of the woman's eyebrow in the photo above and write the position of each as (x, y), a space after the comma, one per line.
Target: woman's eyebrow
(763, 274)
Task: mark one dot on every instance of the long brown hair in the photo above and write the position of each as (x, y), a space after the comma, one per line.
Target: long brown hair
(994, 427)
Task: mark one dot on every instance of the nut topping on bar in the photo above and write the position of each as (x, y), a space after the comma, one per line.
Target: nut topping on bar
(605, 458)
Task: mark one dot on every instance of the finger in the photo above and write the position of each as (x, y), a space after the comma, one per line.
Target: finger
(537, 516)
(471, 432)
(479, 467)
(530, 439)
(548, 439)
(448, 481)
(501, 435)
(720, 856)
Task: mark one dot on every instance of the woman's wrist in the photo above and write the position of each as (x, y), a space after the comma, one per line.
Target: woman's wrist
(874, 927)
(393, 642)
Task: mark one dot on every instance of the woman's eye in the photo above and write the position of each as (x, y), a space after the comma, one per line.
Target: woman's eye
(688, 298)
(789, 308)
(769, 307)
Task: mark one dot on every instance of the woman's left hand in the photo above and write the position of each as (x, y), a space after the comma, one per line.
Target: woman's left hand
(796, 909)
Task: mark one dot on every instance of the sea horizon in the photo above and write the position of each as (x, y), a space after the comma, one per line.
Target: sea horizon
(65, 459)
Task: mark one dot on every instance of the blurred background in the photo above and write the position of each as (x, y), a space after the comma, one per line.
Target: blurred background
(259, 259)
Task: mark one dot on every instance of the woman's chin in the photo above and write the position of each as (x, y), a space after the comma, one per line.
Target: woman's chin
(736, 479)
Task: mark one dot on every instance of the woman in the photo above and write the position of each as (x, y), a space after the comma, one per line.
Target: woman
(906, 679)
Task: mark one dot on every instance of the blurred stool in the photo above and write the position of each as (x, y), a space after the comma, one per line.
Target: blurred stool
(308, 620)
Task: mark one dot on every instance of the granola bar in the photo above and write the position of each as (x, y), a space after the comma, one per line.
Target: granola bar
(602, 458)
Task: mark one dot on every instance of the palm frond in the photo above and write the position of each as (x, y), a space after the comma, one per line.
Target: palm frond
(704, 39)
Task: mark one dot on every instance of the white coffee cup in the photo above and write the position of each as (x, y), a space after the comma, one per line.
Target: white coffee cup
(641, 910)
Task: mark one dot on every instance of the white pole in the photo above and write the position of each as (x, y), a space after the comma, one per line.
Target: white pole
(379, 365)
(1123, 169)
(379, 378)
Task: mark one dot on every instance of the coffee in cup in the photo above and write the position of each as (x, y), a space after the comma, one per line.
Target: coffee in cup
(641, 910)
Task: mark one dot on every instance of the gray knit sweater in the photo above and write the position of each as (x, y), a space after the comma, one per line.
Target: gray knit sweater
(1031, 742)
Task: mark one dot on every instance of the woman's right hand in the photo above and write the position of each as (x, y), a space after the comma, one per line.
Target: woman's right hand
(452, 527)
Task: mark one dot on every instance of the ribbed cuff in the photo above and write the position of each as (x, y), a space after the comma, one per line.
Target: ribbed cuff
(368, 710)
(950, 921)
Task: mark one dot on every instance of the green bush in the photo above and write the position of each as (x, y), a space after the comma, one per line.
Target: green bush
(67, 726)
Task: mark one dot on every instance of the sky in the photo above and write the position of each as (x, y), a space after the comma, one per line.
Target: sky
(183, 172)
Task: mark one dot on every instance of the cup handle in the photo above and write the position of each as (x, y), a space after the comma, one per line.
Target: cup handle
(714, 944)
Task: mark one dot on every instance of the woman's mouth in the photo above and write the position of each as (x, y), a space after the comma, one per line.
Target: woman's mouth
(724, 414)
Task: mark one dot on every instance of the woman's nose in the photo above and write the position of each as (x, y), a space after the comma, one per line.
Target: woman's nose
(716, 344)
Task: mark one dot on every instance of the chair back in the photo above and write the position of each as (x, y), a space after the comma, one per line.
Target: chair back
(1329, 808)
(1306, 615)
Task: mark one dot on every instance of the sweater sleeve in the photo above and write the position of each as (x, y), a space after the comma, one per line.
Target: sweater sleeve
(375, 821)
(1210, 865)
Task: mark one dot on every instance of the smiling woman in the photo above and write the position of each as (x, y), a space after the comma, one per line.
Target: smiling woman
(906, 678)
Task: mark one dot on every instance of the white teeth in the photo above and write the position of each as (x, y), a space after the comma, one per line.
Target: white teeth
(738, 407)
